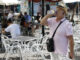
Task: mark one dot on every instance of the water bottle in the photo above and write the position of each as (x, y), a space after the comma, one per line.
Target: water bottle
(51, 12)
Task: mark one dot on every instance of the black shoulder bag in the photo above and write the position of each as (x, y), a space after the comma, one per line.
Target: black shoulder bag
(50, 41)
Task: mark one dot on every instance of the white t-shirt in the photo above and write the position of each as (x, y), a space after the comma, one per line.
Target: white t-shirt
(60, 39)
(14, 29)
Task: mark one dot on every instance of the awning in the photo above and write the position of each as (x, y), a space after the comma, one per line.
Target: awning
(71, 1)
(9, 2)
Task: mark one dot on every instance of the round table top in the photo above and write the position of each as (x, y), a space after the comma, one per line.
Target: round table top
(23, 38)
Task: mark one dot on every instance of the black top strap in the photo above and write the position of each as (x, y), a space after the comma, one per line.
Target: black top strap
(57, 28)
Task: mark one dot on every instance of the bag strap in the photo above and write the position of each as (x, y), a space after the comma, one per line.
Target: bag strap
(57, 28)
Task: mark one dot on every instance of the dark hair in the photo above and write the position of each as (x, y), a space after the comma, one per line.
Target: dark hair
(25, 13)
(9, 21)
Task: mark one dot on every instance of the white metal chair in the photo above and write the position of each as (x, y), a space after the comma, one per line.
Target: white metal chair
(35, 51)
(10, 48)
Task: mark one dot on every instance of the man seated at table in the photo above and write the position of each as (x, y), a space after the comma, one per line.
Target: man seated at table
(28, 24)
(14, 29)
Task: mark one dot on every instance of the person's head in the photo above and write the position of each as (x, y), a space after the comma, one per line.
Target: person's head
(9, 21)
(25, 13)
(61, 12)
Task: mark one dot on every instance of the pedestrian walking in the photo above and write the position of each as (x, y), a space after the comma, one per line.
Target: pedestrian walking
(63, 39)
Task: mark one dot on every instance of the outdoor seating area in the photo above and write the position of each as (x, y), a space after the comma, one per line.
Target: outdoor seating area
(39, 30)
(32, 48)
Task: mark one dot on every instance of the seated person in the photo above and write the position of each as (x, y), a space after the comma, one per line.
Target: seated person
(14, 29)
